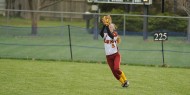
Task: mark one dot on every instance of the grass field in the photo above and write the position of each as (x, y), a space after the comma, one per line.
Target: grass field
(13, 21)
(29, 77)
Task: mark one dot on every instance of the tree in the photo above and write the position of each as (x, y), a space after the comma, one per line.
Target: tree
(38, 5)
(185, 5)
(175, 6)
(9, 5)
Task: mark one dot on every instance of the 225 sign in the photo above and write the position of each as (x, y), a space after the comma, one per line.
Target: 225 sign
(160, 36)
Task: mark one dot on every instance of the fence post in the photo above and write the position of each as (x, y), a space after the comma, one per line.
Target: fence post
(188, 30)
(163, 53)
(70, 44)
(95, 30)
(145, 23)
(124, 25)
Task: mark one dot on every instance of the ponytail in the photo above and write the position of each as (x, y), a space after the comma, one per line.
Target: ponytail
(118, 39)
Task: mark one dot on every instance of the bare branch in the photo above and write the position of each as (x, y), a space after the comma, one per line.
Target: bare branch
(50, 4)
(184, 5)
(187, 11)
(30, 4)
(42, 2)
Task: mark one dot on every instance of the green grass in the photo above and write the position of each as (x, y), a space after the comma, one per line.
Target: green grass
(27, 22)
(30, 77)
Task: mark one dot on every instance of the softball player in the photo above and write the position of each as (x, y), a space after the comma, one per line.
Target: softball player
(111, 39)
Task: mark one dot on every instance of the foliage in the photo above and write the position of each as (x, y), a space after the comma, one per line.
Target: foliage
(159, 23)
(117, 20)
(169, 24)
(134, 24)
(111, 7)
(131, 23)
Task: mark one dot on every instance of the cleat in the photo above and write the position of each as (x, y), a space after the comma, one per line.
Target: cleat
(126, 84)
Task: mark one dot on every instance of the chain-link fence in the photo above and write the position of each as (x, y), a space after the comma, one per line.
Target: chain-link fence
(51, 40)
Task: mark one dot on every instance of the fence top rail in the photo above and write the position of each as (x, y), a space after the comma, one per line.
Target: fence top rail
(83, 13)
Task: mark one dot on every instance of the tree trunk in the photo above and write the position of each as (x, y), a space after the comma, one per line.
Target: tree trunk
(34, 19)
(37, 5)
(34, 5)
(175, 7)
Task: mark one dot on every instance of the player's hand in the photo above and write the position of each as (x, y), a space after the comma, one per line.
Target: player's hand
(106, 20)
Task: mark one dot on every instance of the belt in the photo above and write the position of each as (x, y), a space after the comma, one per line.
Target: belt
(112, 54)
(108, 41)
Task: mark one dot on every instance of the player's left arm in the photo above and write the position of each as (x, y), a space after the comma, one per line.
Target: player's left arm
(109, 33)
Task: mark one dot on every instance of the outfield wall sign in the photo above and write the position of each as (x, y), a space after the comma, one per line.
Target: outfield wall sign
(142, 2)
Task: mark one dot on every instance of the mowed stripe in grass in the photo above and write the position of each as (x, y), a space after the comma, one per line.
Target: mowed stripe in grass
(27, 77)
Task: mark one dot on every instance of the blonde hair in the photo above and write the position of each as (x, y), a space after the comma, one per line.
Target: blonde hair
(113, 25)
(114, 28)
